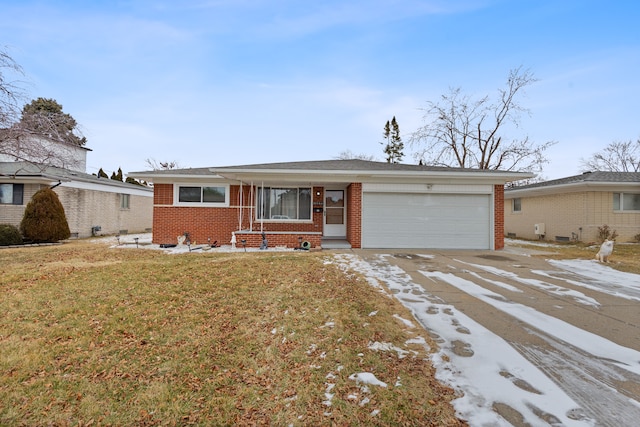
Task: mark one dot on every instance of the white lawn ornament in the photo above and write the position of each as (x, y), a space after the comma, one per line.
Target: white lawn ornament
(605, 251)
(233, 240)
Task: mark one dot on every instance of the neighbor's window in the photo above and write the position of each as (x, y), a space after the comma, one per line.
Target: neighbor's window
(626, 202)
(124, 201)
(11, 194)
(284, 204)
(212, 195)
(517, 205)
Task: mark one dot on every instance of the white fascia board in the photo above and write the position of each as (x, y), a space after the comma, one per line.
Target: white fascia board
(107, 188)
(281, 175)
(574, 187)
(29, 180)
(171, 178)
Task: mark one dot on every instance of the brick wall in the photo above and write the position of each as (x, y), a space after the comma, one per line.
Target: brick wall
(211, 224)
(163, 194)
(498, 221)
(354, 215)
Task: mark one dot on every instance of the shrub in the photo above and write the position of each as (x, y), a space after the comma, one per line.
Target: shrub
(9, 235)
(44, 219)
(636, 238)
(605, 233)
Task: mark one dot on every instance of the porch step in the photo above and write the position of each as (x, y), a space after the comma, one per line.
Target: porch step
(335, 244)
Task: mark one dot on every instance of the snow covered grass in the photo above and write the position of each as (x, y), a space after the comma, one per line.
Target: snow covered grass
(92, 334)
(625, 257)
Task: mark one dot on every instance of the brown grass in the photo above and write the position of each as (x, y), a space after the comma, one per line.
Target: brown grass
(98, 336)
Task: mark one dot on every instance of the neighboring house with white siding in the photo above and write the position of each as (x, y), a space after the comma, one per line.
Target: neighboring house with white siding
(573, 208)
(89, 202)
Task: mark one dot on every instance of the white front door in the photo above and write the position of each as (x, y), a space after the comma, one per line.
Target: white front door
(335, 214)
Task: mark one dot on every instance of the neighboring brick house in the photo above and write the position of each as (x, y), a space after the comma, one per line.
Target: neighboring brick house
(332, 203)
(573, 208)
(88, 201)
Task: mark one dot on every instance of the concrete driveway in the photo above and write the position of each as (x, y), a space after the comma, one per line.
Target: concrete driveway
(528, 341)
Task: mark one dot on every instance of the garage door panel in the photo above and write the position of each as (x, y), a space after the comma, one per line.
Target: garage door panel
(404, 220)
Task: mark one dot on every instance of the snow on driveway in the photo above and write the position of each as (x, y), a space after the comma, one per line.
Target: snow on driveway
(571, 381)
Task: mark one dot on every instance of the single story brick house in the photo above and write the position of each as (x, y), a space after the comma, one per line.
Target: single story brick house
(89, 202)
(573, 208)
(332, 203)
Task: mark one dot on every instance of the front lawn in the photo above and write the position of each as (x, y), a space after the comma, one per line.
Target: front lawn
(91, 335)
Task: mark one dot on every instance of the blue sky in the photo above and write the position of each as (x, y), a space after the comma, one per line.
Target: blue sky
(231, 82)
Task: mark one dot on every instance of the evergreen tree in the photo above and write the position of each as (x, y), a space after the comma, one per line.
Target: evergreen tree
(102, 174)
(134, 181)
(45, 116)
(393, 145)
(44, 219)
(119, 175)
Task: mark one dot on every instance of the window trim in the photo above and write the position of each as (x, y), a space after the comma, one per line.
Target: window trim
(176, 195)
(513, 205)
(125, 201)
(15, 200)
(290, 220)
(621, 202)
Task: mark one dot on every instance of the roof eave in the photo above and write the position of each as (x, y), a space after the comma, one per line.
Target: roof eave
(569, 188)
(359, 175)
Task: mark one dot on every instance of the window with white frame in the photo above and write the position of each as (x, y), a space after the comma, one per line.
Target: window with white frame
(11, 194)
(626, 201)
(284, 204)
(209, 195)
(124, 201)
(517, 205)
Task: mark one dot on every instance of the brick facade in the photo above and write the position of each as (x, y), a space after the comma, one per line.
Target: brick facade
(213, 224)
(354, 215)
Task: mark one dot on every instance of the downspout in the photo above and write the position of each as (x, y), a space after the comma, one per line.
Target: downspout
(55, 185)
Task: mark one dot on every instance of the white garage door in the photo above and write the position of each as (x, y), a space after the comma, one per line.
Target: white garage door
(408, 220)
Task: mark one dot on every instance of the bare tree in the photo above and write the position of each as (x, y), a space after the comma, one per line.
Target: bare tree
(157, 165)
(350, 155)
(10, 91)
(471, 133)
(26, 135)
(618, 156)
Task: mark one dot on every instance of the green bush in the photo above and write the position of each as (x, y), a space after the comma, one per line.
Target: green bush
(44, 219)
(9, 235)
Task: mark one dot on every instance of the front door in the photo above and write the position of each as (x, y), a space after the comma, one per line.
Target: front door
(334, 214)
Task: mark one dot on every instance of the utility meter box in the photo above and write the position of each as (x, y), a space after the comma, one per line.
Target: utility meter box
(538, 229)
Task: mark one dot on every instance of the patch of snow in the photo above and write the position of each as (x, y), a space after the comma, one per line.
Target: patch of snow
(387, 346)
(551, 288)
(596, 276)
(367, 378)
(407, 323)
